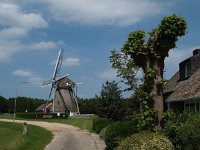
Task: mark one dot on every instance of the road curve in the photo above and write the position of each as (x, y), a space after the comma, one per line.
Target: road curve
(68, 137)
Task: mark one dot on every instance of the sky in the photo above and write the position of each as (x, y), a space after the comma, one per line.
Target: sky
(33, 31)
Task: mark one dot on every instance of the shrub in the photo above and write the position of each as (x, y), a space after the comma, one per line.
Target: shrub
(176, 124)
(102, 133)
(189, 133)
(146, 140)
(99, 124)
(117, 131)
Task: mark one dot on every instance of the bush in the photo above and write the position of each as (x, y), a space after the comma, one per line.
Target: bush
(102, 133)
(99, 124)
(189, 133)
(117, 131)
(176, 128)
(146, 140)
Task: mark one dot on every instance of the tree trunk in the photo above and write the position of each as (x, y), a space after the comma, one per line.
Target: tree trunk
(154, 86)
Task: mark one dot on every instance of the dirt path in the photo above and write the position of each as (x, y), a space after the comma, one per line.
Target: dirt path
(68, 137)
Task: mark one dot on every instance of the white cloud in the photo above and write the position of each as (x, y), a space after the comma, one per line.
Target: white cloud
(22, 73)
(108, 74)
(31, 77)
(12, 33)
(103, 12)
(44, 45)
(68, 62)
(8, 47)
(16, 23)
(71, 62)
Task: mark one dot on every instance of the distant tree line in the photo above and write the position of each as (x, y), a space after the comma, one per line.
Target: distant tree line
(108, 104)
(23, 104)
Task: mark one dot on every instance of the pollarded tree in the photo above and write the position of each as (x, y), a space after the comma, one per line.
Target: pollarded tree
(149, 55)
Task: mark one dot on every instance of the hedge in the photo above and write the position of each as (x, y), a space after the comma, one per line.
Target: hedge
(117, 131)
(188, 133)
(42, 115)
(100, 123)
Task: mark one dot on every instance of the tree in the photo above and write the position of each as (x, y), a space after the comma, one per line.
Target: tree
(3, 106)
(88, 106)
(24, 104)
(110, 101)
(149, 55)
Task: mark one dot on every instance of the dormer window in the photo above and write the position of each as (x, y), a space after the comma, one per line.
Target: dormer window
(185, 69)
(188, 70)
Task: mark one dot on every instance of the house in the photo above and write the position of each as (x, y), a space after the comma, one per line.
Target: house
(44, 108)
(183, 89)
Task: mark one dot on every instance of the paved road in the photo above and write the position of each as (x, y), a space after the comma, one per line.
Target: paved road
(68, 137)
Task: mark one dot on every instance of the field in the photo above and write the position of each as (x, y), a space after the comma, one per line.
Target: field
(11, 137)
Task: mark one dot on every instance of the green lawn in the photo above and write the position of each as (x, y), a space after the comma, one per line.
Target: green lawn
(11, 137)
(82, 123)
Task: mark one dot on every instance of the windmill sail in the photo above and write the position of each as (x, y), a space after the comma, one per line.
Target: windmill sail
(56, 72)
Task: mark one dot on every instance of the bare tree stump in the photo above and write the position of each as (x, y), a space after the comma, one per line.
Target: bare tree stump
(24, 128)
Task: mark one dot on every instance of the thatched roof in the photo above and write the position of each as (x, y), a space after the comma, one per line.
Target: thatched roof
(185, 89)
(43, 107)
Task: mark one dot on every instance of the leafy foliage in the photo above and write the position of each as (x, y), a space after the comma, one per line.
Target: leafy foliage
(110, 101)
(88, 106)
(117, 131)
(147, 115)
(3, 105)
(99, 124)
(126, 69)
(23, 104)
(189, 133)
(183, 130)
(146, 141)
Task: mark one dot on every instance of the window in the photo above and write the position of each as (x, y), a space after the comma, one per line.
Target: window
(187, 70)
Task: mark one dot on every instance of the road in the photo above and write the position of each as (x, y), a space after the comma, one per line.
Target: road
(68, 137)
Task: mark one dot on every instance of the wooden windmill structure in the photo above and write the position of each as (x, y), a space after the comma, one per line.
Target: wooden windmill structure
(64, 98)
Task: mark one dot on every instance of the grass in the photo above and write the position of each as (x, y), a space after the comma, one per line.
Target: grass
(6, 116)
(11, 137)
(82, 123)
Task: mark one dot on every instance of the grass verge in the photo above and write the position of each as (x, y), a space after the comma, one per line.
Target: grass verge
(11, 137)
(82, 123)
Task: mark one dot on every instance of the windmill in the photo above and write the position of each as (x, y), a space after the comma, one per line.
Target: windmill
(64, 98)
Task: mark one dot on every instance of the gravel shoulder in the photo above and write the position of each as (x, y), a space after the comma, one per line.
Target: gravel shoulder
(67, 137)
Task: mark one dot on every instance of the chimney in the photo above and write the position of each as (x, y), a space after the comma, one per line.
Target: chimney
(196, 52)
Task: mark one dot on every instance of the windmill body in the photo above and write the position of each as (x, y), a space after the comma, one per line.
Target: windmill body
(64, 98)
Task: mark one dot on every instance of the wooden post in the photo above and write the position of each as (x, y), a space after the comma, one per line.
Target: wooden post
(24, 128)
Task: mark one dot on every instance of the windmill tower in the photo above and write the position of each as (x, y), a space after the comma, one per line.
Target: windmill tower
(64, 98)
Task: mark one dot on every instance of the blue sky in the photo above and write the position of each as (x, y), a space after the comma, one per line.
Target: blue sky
(32, 32)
